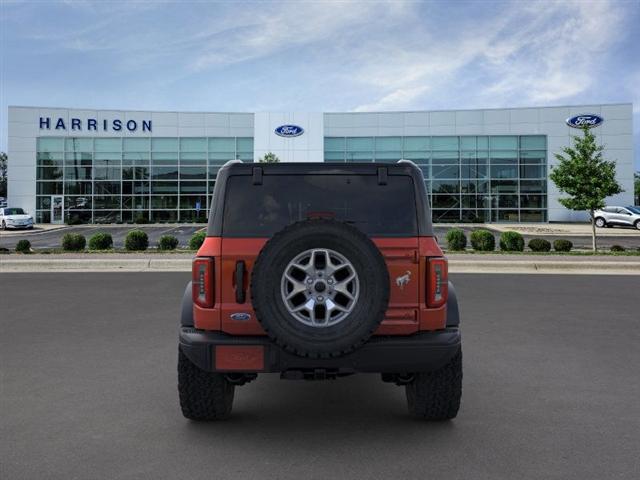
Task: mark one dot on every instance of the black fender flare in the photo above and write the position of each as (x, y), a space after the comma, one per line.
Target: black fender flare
(186, 312)
(453, 312)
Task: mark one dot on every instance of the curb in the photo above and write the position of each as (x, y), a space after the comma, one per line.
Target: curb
(27, 265)
(549, 267)
(97, 265)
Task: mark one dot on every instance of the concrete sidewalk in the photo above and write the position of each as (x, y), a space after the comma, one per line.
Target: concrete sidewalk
(458, 263)
(39, 228)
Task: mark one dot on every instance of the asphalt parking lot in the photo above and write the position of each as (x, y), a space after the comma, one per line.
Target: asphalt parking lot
(551, 390)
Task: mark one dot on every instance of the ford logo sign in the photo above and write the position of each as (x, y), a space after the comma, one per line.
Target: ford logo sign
(289, 131)
(240, 316)
(587, 120)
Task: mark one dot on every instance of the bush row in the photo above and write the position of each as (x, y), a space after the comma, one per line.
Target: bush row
(484, 241)
(481, 240)
(136, 240)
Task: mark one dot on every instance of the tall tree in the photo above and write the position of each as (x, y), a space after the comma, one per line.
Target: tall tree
(3, 174)
(636, 188)
(585, 177)
(269, 157)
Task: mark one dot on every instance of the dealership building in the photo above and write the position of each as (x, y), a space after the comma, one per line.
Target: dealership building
(107, 166)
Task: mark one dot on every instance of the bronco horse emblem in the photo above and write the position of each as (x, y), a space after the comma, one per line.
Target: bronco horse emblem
(403, 280)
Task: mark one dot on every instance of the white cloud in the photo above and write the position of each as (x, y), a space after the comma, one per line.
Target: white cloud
(398, 97)
(256, 33)
(552, 57)
(525, 55)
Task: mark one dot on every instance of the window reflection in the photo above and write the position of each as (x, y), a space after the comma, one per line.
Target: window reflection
(487, 172)
(122, 179)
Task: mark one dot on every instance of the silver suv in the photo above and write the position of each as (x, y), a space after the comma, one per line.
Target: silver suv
(623, 216)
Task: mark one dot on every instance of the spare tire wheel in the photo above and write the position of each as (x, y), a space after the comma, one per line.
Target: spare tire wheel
(320, 288)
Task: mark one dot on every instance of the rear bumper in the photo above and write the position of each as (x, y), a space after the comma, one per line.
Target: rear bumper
(219, 352)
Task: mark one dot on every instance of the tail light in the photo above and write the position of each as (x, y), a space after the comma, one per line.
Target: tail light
(437, 281)
(203, 282)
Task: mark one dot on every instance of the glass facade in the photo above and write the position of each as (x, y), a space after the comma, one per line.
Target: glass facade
(501, 178)
(109, 180)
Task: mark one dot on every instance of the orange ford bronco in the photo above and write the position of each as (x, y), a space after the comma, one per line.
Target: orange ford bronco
(316, 271)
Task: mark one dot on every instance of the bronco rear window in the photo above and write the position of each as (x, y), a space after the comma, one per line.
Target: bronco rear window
(262, 210)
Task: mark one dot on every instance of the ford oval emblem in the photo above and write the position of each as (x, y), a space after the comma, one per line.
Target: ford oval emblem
(587, 120)
(240, 316)
(289, 131)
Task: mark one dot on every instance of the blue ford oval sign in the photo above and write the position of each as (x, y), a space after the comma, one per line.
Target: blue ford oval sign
(289, 131)
(587, 120)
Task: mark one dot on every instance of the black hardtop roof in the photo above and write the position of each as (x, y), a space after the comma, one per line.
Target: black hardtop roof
(237, 167)
(337, 168)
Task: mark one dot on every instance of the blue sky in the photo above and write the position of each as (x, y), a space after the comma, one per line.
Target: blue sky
(318, 56)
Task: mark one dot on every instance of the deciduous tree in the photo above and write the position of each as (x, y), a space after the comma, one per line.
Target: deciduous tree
(585, 177)
(3, 174)
(269, 158)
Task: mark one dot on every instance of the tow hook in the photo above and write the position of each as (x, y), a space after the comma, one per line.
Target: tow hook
(240, 378)
(399, 379)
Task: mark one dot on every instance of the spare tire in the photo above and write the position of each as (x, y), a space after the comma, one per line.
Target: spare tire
(320, 288)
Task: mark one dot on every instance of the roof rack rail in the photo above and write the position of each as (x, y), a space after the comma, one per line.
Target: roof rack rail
(402, 160)
(231, 162)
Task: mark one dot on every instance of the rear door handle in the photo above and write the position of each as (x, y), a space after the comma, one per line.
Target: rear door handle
(240, 293)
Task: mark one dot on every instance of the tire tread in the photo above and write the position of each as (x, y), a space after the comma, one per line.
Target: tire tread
(436, 395)
(203, 395)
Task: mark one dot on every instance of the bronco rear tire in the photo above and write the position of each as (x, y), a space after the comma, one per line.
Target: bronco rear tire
(436, 395)
(203, 395)
(320, 288)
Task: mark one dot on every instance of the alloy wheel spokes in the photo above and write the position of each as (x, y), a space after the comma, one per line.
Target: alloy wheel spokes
(320, 287)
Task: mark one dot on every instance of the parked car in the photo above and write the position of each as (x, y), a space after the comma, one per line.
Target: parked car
(318, 271)
(15, 218)
(3, 202)
(621, 216)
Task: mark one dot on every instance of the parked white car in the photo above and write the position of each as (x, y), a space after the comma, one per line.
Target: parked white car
(622, 216)
(15, 218)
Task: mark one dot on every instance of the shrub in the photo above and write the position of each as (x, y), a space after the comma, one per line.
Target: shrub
(456, 239)
(511, 242)
(101, 241)
(197, 240)
(539, 245)
(562, 245)
(483, 240)
(136, 240)
(167, 242)
(141, 220)
(23, 246)
(617, 248)
(73, 242)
